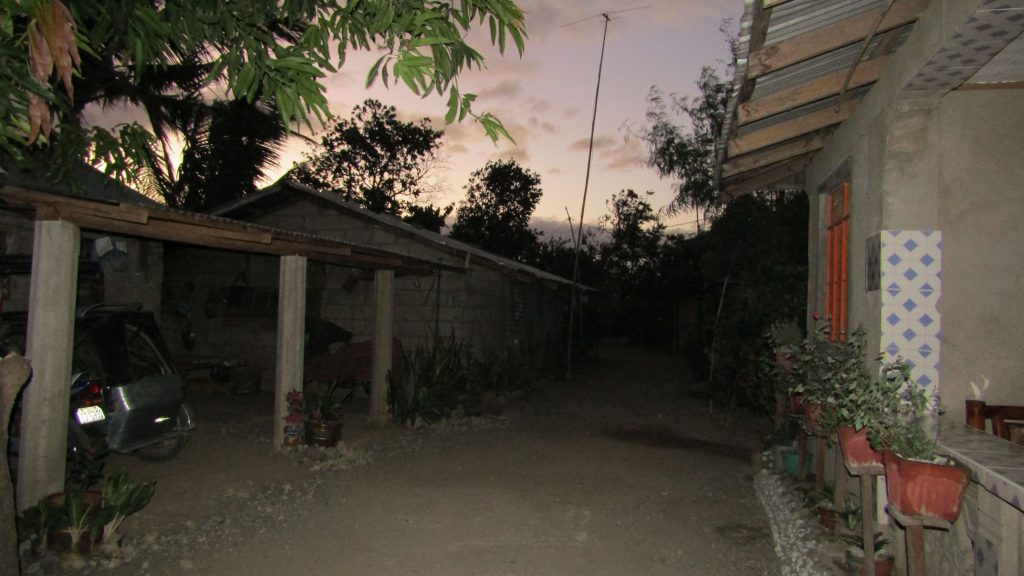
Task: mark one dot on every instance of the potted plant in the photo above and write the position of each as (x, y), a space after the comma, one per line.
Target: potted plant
(323, 416)
(848, 519)
(859, 400)
(918, 480)
(77, 525)
(76, 521)
(783, 342)
(811, 382)
(884, 560)
(294, 419)
(825, 506)
(121, 497)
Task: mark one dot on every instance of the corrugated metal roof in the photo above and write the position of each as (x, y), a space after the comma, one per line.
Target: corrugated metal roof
(788, 21)
(797, 17)
(799, 111)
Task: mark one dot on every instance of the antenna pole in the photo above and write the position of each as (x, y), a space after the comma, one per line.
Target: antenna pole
(583, 205)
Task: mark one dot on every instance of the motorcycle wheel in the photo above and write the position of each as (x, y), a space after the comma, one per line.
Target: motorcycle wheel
(169, 448)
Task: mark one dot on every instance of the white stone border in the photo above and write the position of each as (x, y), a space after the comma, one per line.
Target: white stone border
(796, 536)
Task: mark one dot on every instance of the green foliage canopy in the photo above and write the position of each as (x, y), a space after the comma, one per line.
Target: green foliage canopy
(277, 49)
(630, 260)
(500, 198)
(686, 151)
(635, 234)
(374, 159)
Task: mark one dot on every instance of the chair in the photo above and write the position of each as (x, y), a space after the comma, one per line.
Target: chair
(1007, 421)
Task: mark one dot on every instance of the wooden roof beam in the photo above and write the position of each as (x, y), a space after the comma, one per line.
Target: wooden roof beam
(765, 178)
(794, 128)
(828, 38)
(811, 91)
(774, 154)
(51, 203)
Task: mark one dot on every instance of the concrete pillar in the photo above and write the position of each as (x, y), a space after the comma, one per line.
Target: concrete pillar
(291, 341)
(383, 335)
(51, 329)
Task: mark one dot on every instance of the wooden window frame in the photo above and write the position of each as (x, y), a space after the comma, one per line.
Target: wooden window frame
(837, 255)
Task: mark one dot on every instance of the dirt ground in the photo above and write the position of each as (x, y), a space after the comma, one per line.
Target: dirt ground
(618, 472)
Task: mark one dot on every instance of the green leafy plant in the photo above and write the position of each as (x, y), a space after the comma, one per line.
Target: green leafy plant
(444, 379)
(825, 497)
(321, 404)
(78, 517)
(850, 516)
(433, 381)
(35, 524)
(896, 424)
(855, 545)
(79, 513)
(122, 497)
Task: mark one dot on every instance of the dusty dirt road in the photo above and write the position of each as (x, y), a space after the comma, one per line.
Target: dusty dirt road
(617, 473)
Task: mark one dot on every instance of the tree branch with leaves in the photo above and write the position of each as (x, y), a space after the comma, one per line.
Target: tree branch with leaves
(279, 50)
(686, 150)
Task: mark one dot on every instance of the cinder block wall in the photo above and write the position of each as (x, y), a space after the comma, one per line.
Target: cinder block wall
(220, 332)
(488, 308)
(140, 282)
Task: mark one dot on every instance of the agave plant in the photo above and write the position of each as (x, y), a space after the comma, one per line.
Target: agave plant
(122, 497)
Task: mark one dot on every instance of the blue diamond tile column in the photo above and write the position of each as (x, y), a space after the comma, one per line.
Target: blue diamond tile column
(911, 281)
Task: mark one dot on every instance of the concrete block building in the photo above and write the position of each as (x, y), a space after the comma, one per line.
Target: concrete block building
(489, 302)
(902, 121)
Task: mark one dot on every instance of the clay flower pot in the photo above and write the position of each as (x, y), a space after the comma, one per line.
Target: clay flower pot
(827, 518)
(323, 432)
(857, 451)
(855, 564)
(812, 415)
(795, 403)
(924, 488)
(58, 539)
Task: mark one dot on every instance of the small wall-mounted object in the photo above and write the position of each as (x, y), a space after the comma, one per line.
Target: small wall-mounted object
(873, 262)
(114, 253)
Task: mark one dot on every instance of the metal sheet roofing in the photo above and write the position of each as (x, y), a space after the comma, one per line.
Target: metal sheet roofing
(795, 57)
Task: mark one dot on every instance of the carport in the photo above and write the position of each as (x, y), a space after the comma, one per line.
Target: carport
(59, 220)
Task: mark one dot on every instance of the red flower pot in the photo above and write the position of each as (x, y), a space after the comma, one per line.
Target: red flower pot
(61, 540)
(924, 488)
(827, 518)
(857, 451)
(795, 403)
(883, 566)
(812, 414)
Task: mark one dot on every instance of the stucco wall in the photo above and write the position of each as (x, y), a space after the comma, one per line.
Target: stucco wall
(940, 164)
(981, 213)
(951, 162)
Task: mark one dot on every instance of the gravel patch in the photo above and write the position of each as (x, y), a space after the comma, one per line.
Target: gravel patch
(798, 537)
(254, 508)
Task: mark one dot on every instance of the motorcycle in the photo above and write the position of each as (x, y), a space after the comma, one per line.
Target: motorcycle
(125, 395)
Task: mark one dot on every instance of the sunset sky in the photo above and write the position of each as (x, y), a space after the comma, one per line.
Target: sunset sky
(546, 98)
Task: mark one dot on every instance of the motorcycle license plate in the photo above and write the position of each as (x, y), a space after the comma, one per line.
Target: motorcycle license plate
(89, 414)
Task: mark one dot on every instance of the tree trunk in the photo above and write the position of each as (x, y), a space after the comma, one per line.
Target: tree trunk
(14, 372)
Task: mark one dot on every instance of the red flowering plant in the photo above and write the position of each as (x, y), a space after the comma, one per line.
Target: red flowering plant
(295, 411)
